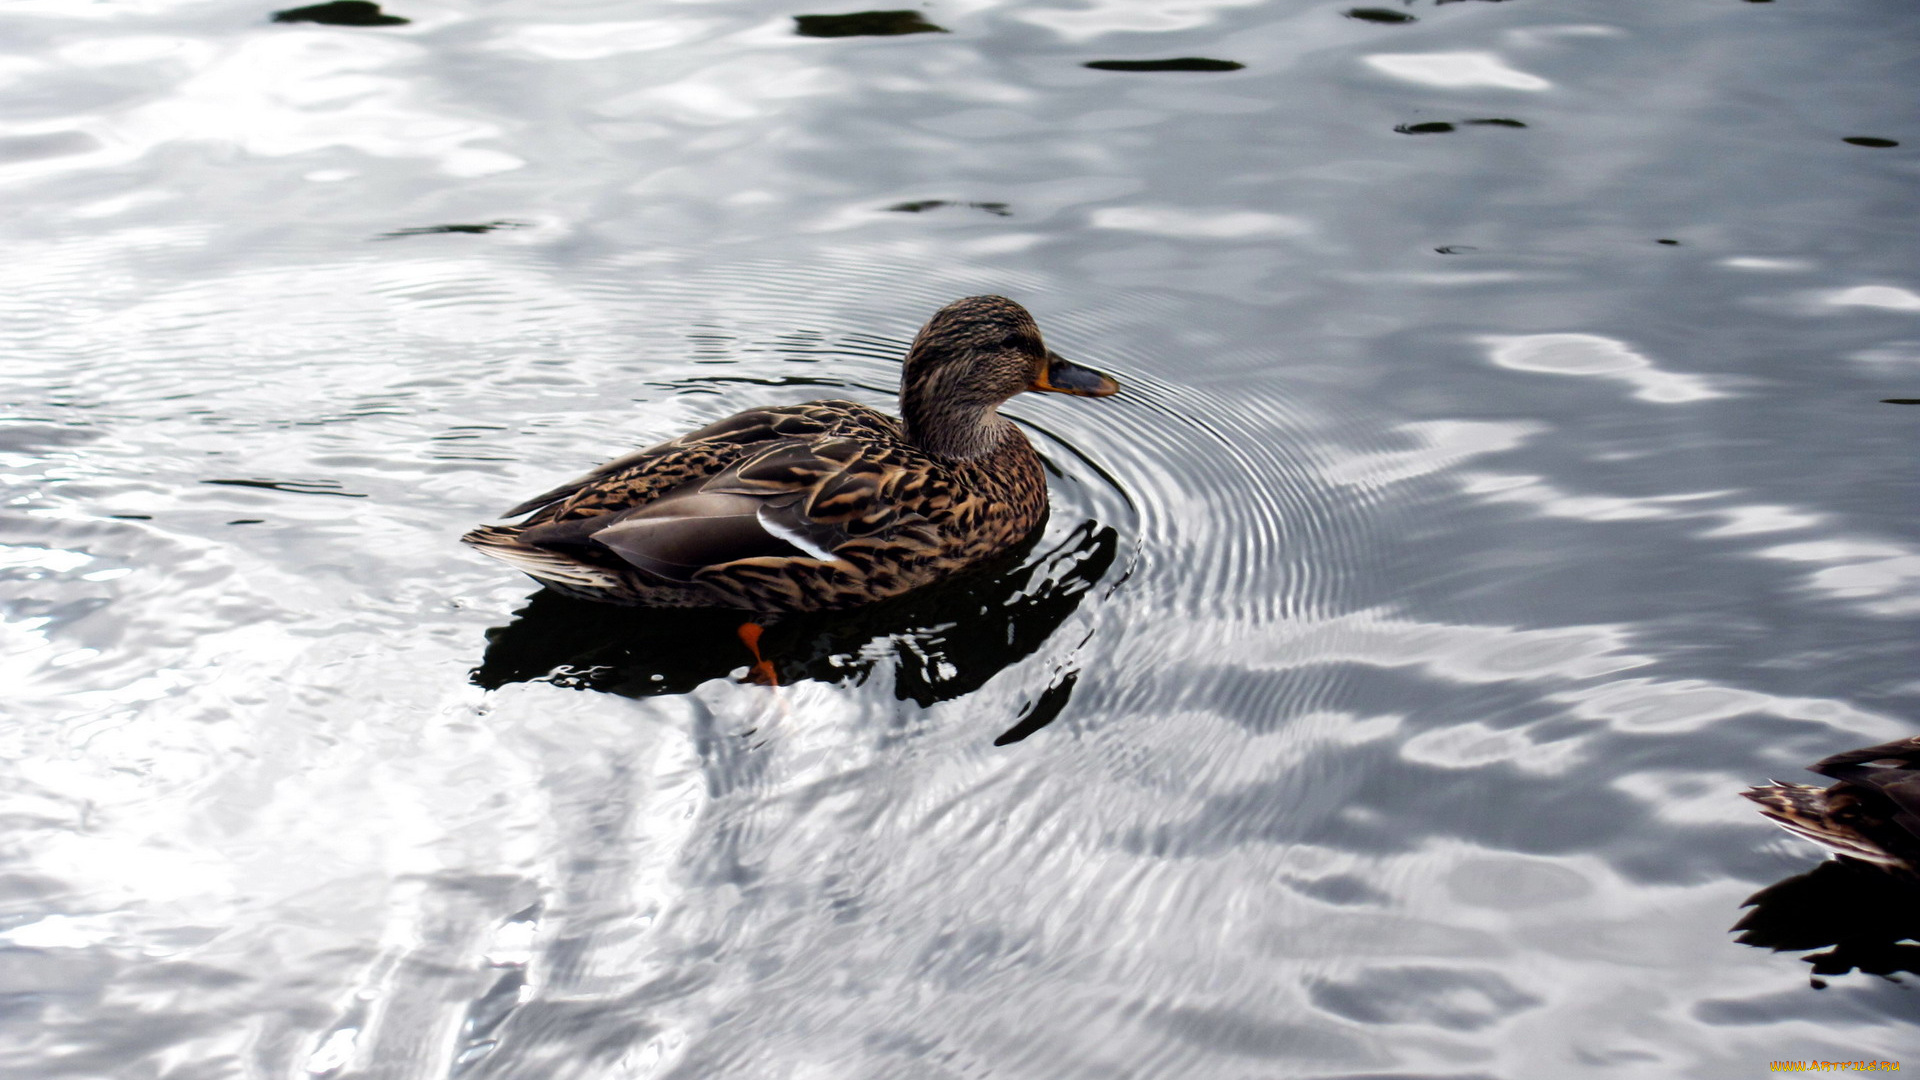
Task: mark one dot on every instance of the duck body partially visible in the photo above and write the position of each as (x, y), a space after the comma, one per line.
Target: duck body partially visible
(812, 507)
(1872, 815)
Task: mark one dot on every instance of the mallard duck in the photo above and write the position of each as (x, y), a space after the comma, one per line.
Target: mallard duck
(1871, 815)
(824, 505)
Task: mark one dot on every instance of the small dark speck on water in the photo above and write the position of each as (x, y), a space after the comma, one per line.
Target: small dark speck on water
(865, 24)
(248, 521)
(1455, 249)
(1496, 121)
(1669, 243)
(430, 230)
(341, 13)
(1379, 15)
(1869, 140)
(1182, 63)
(132, 517)
(1900, 401)
(998, 209)
(296, 487)
(1432, 127)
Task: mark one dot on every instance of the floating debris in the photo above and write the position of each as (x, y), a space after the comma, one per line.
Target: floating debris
(1900, 401)
(1669, 243)
(865, 24)
(998, 209)
(1432, 127)
(1495, 121)
(1455, 249)
(1180, 63)
(341, 13)
(1380, 15)
(1869, 140)
(430, 230)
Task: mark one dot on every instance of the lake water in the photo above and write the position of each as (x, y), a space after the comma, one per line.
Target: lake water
(1488, 504)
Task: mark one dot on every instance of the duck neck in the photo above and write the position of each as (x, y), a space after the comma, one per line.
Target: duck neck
(949, 424)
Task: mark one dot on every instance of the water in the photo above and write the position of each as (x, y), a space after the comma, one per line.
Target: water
(1485, 509)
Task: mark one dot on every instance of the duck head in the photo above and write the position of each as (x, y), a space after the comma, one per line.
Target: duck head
(971, 356)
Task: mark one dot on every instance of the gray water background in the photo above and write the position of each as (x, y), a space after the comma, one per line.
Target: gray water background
(1454, 593)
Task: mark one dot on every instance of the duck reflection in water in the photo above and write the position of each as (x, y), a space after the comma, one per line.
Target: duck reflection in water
(1863, 906)
(947, 640)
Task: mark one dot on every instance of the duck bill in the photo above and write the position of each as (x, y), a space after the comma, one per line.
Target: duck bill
(1066, 377)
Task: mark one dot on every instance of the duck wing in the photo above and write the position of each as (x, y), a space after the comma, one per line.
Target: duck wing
(1888, 778)
(793, 499)
(638, 476)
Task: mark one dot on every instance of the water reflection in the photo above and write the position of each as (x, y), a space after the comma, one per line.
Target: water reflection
(1179, 63)
(997, 209)
(1861, 919)
(941, 642)
(433, 230)
(864, 24)
(1380, 15)
(341, 13)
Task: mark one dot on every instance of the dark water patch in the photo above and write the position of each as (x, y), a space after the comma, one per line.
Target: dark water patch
(1379, 15)
(49, 144)
(865, 24)
(1180, 63)
(997, 209)
(1869, 140)
(1437, 997)
(297, 487)
(341, 13)
(1455, 249)
(1434, 127)
(1669, 243)
(248, 521)
(431, 230)
(131, 517)
(1900, 401)
(1345, 890)
(1857, 917)
(32, 435)
(948, 640)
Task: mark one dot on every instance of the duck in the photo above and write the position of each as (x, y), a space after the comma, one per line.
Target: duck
(818, 506)
(1872, 815)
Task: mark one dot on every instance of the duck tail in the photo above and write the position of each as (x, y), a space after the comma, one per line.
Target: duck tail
(1805, 811)
(504, 543)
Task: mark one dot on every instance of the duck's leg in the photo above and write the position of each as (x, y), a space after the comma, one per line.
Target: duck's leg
(762, 671)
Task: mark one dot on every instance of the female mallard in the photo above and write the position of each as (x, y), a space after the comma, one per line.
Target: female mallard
(824, 505)
(1872, 814)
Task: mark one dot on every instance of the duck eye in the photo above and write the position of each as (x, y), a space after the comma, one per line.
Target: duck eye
(1018, 340)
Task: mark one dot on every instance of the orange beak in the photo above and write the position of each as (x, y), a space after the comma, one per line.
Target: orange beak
(1066, 377)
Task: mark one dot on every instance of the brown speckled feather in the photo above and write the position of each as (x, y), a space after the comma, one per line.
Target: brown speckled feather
(1872, 814)
(816, 506)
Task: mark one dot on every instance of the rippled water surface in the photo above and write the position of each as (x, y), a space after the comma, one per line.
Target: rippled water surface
(1503, 481)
